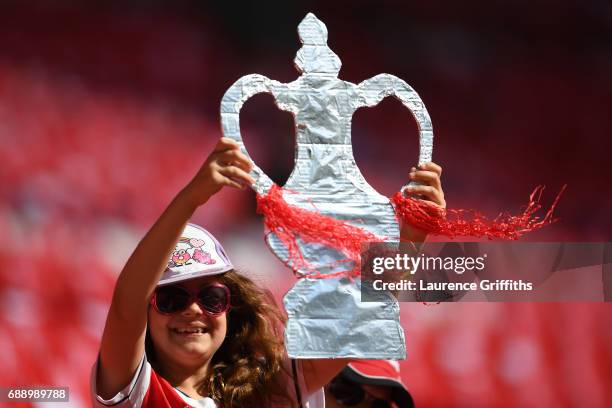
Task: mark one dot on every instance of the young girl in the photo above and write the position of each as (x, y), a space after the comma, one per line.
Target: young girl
(185, 329)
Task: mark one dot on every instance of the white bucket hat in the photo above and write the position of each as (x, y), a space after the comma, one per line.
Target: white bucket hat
(197, 253)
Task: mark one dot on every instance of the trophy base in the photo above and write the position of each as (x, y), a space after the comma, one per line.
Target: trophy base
(328, 320)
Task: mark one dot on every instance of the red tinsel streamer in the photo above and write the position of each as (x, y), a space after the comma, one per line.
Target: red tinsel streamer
(289, 222)
(452, 223)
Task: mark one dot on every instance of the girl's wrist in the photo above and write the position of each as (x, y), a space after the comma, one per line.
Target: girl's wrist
(187, 198)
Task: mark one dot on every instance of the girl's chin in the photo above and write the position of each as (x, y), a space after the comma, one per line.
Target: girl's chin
(193, 343)
(190, 353)
(196, 346)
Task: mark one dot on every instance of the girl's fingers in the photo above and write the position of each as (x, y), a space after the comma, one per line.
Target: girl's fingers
(426, 177)
(430, 166)
(235, 157)
(226, 143)
(427, 174)
(231, 183)
(237, 174)
(431, 193)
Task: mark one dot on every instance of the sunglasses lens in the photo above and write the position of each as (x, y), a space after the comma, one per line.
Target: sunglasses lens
(215, 299)
(346, 392)
(380, 404)
(171, 299)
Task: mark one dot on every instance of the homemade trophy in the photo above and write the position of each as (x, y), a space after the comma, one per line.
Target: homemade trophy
(326, 316)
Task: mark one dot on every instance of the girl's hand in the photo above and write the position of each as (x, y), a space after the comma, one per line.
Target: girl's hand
(430, 190)
(428, 175)
(225, 166)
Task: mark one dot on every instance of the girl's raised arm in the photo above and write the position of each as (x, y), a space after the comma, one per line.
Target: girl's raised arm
(122, 345)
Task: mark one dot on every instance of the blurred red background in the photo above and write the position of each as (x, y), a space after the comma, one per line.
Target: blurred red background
(106, 111)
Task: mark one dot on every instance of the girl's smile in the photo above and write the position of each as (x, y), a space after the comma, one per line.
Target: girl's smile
(190, 331)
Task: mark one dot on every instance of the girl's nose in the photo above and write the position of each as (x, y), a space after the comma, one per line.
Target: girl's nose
(193, 310)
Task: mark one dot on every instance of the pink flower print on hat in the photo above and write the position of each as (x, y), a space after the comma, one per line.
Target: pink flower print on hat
(202, 257)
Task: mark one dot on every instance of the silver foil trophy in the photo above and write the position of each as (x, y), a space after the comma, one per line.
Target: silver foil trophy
(326, 316)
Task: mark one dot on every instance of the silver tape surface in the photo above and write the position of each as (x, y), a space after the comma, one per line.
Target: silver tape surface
(326, 317)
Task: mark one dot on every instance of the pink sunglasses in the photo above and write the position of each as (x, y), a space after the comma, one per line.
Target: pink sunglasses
(214, 299)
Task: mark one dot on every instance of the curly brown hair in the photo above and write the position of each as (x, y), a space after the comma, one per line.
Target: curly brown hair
(245, 370)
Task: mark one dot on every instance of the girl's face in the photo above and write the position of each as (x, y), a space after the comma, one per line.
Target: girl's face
(173, 335)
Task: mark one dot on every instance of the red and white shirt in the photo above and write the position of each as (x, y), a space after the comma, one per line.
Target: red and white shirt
(148, 389)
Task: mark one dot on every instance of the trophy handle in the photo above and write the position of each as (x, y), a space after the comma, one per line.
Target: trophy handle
(375, 89)
(231, 103)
